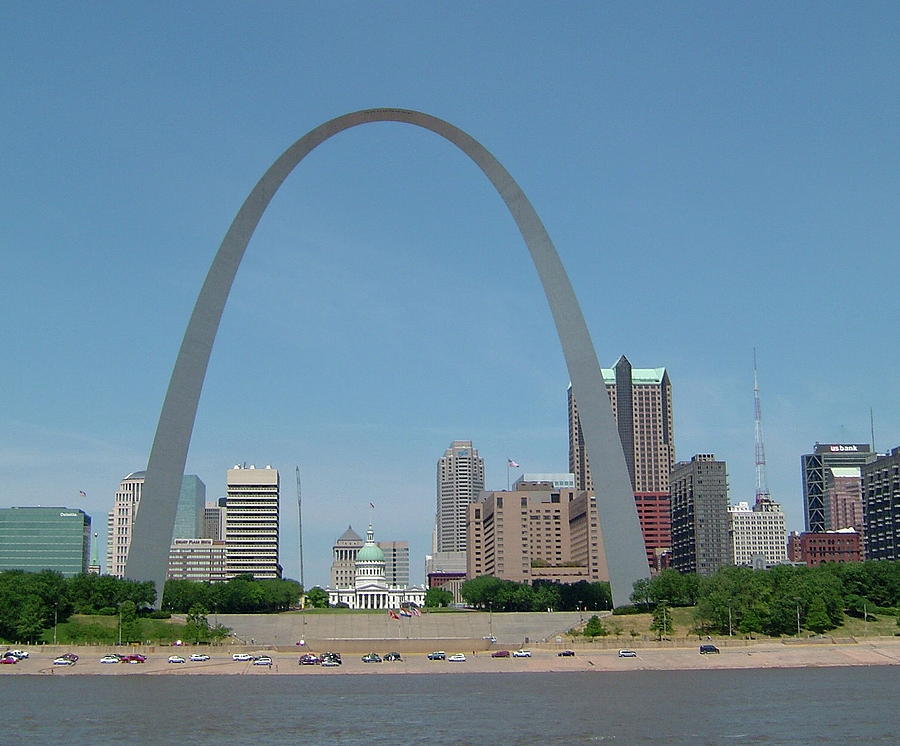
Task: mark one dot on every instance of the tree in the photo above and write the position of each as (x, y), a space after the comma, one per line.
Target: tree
(817, 618)
(196, 626)
(595, 628)
(435, 597)
(130, 628)
(662, 621)
(317, 598)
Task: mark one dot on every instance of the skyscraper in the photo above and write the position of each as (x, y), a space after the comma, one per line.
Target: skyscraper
(460, 479)
(120, 520)
(251, 522)
(881, 506)
(641, 401)
(701, 542)
(816, 465)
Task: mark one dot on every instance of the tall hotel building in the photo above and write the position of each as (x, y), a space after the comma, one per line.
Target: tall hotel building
(819, 487)
(536, 532)
(460, 479)
(641, 400)
(120, 520)
(251, 522)
(701, 542)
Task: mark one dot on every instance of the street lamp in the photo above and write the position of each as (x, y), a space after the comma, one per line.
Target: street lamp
(798, 615)
(729, 622)
(55, 620)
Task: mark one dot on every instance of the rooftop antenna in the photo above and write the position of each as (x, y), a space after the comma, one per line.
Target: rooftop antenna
(762, 488)
(872, 426)
(300, 527)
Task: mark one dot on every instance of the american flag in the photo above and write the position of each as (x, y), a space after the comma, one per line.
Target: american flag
(513, 464)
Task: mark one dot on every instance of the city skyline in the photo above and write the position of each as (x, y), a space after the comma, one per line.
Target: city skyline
(736, 188)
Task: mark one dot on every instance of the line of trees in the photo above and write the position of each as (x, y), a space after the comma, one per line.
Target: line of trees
(240, 595)
(487, 592)
(775, 601)
(30, 602)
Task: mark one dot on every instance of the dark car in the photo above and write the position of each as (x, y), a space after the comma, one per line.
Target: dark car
(706, 649)
(309, 660)
(393, 657)
(437, 655)
(500, 654)
(333, 659)
(565, 653)
(70, 657)
(371, 658)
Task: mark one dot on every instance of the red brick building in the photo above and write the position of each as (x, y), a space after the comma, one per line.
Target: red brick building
(655, 516)
(827, 546)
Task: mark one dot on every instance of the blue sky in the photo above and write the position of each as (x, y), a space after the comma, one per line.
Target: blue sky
(716, 176)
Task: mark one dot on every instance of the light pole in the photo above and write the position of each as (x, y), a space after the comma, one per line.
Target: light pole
(798, 616)
(729, 622)
(55, 620)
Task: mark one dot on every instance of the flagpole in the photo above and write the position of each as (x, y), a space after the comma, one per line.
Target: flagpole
(507, 475)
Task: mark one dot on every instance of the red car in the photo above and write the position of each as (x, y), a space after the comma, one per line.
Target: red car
(134, 658)
(500, 654)
(9, 659)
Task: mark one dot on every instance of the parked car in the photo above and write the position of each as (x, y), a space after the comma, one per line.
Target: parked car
(263, 660)
(392, 657)
(522, 654)
(242, 657)
(309, 660)
(565, 653)
(133, 658)
(457, 658)
(9, 659)
(63, 661)
(706, 649)
(110, 659)
(198, 657)
(70, 656)
(490, 637)
(437, 655)
(500, 654)
(19, 654)
(627, 654)
(329, 656)
(329, 663)
(371, 658)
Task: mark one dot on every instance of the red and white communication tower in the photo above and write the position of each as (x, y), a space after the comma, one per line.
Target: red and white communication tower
(762, 488)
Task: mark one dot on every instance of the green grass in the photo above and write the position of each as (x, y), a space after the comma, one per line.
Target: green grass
(82, 629)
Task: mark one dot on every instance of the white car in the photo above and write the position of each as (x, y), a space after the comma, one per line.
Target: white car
(20, 654)
(627, 654)
(199, 657)
(63, 662)
(522, 654)
(176, 659)
(110, 659)
(242, 657)
(263, 660)
(457, 658)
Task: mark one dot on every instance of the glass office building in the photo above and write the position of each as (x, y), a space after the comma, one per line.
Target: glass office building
(35, 539)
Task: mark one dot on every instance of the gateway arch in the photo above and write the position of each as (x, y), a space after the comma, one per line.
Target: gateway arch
(152, 533)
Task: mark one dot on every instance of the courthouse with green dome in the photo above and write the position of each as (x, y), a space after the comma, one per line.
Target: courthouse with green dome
(370, 589)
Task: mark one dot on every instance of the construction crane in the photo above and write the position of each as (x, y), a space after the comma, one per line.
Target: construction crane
(300, 527)
(762, 488)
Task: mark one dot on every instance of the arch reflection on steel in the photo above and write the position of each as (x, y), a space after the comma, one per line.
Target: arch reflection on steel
(622, 538)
